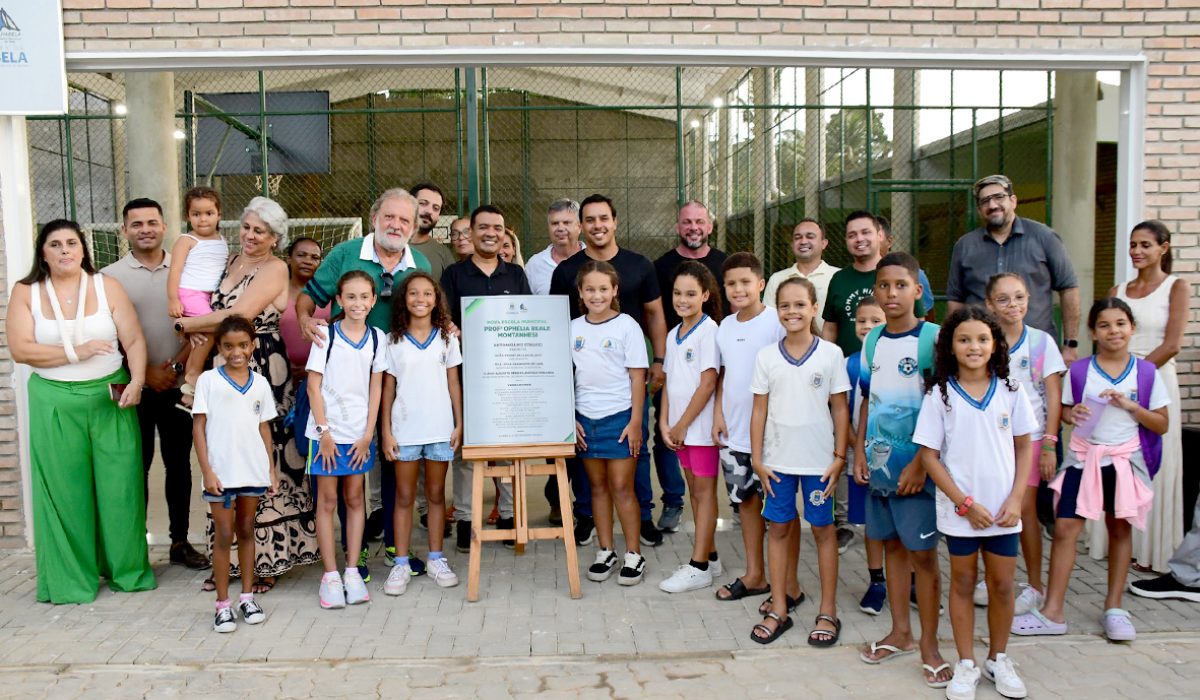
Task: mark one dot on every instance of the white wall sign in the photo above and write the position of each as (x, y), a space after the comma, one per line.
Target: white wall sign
(32, 70)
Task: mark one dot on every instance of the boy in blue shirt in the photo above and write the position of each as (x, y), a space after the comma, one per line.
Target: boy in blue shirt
(900, 501)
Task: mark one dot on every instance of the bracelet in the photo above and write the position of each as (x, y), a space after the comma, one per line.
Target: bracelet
(1050, 438)
(962, 508)
(658, 360)
(1051, 450)
(838, 456)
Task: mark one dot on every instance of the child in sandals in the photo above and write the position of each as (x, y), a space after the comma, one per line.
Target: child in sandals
(799, 429)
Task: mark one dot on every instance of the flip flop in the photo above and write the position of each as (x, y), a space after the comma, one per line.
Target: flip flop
(934, 673)
(792, 603)
(208, 585)
(262, 586)
(831, 637)
(780, 627)
(737, 590)
(893, 652)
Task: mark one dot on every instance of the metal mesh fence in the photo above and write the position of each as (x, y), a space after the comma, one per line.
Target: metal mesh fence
(762, 147)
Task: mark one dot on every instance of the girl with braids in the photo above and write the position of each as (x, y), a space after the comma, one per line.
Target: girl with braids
(974, 430)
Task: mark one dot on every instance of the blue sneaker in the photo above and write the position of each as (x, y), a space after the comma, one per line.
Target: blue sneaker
(873, 600)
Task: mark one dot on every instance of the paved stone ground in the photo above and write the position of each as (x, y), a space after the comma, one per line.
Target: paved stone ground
(526, 636)
(1077, 668)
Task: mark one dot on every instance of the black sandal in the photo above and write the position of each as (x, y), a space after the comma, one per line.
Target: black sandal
(781, 626)
(737, 590)
(831, 638)
(792, 603)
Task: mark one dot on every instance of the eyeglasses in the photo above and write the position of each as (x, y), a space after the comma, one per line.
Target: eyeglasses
(1007, 301)
(388, 283)
(985, 201)
(457, 235)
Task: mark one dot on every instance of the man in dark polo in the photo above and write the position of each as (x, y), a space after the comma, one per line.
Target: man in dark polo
(483, 274)
(143, 273)
(1010, 243)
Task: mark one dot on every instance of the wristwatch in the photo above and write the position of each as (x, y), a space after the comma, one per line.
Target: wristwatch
(657, 361)
(962, 508)
(179, 326)
(1070, 343)
(177, 367)
(321, 430)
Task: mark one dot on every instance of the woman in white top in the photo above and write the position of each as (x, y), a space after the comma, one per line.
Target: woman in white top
(1160, 304)
(89, 510)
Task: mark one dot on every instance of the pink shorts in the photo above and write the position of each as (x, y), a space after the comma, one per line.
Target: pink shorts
(195, 302)
(1035, 474)
(702, 460)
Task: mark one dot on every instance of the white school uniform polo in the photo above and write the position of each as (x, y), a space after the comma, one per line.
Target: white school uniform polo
(739, 343)
(235, 448)
(1116, 425)
(603, 354)
(1021, 367)
(688, 356)
(976, 442)
(799, 432)
(422, 412)
(346, 382)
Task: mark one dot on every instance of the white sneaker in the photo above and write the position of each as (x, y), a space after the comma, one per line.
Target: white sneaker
(715, 569)
(332, 594)
(686, 578)
(439, 571)
(966, 679)
(356, 590)
(397, 580)
(1003, 673)
(1028, 601)
(251, 611)
(981, 595)
(225, 620)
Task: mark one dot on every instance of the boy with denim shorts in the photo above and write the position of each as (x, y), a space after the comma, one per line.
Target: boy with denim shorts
(901, 510)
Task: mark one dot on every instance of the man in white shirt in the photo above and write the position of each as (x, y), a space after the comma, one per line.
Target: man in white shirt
(563, 221)
(808, 245)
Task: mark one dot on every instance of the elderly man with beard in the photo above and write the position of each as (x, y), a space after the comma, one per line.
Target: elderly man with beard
(387, 256)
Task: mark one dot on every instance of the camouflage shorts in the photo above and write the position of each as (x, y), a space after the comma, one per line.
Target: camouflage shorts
(740, 479)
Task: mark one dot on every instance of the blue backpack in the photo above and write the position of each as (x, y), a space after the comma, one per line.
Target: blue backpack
(297, 418)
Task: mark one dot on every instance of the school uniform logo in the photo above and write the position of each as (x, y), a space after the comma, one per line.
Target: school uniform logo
(816, 498)
(1004, 421)
(690, 355)
(816, 380)
(607, 344)
(1133, 396)
(1024, 363)
(578, 343)
(258, 408)
(907, 367)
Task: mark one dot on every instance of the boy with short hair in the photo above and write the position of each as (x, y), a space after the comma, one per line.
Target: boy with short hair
(867, 316)
(749, 327)
(900, 501)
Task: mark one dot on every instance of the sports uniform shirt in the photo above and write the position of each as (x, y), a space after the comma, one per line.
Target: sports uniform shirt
(346, 382)
(688, 356)
(235, 448)
(603, 354)
(739, 343)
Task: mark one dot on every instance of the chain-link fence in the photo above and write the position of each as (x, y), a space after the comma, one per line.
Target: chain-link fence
(762, 147)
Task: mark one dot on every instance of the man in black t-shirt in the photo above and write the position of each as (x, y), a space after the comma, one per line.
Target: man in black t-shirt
(694, 227)
(639, 297)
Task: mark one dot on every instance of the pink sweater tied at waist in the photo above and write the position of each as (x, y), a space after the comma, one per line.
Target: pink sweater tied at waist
(1131, 497)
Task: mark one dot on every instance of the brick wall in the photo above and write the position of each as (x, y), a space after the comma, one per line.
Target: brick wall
(1165, 30)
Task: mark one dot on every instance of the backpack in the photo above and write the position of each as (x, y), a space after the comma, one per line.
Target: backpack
(297, 418)
(925, 348)
(1151, 441)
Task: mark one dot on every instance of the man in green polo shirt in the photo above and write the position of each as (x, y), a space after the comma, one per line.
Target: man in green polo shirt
(384, 254)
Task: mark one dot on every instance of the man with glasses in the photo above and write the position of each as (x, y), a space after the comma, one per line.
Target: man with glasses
(1010, 243)
(385, 255)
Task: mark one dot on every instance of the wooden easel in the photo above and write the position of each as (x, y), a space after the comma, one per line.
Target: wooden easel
(527, 460)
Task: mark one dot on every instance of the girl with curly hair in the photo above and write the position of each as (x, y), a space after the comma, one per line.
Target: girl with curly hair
(974, 430)
(422, 417)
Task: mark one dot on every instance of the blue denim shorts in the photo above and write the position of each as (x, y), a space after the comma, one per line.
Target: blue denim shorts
(601, 435)
(229, 495)
(433, 452)
(781, 508)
